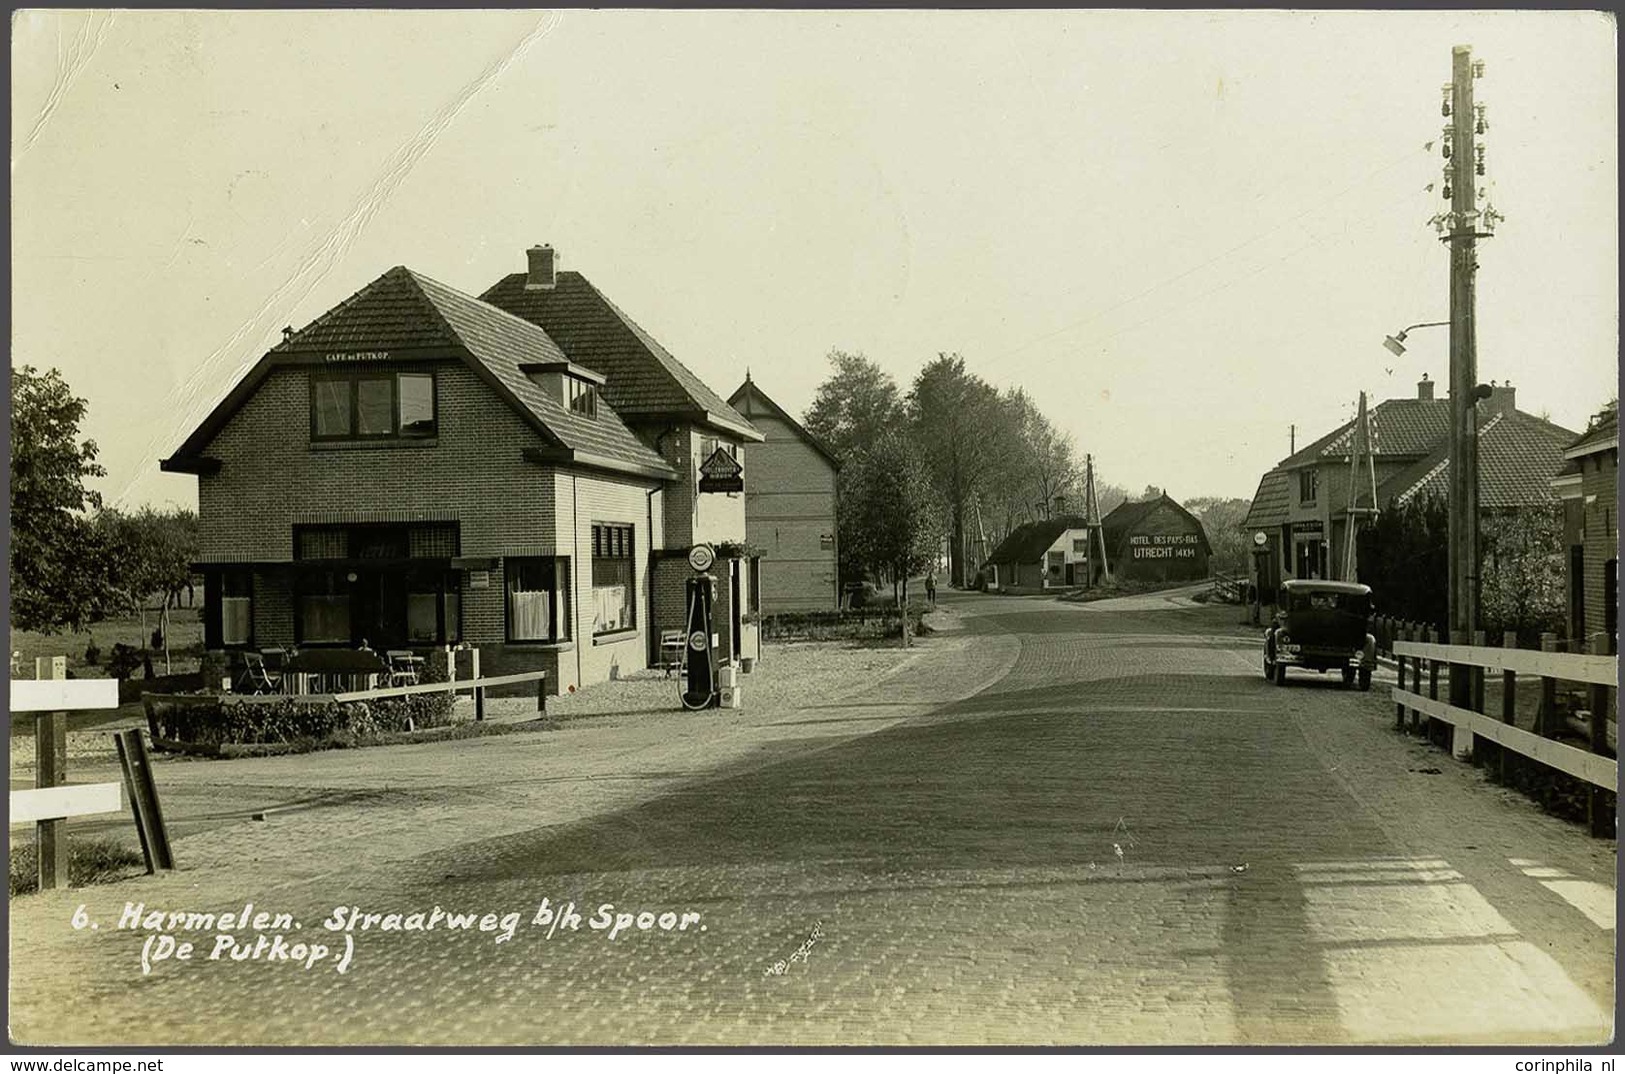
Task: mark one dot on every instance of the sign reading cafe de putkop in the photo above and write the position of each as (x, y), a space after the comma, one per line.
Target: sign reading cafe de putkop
(1163, 546)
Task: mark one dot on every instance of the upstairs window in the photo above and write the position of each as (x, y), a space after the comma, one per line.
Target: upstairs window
(1308, 485)
(581, 397)
(367, 405)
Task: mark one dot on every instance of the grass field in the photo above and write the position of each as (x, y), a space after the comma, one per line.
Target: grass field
(185, 644)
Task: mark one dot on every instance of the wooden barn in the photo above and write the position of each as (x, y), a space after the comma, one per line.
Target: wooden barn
(1155, 540)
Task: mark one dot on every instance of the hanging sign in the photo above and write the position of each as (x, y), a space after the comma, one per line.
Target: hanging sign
(721, 473)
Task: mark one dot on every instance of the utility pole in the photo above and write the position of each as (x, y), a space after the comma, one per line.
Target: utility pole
(1091, 510)
(1462, 227)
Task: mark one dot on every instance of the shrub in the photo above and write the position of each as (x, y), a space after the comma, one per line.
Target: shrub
(123, 661)
(90, 861)
(211, 721)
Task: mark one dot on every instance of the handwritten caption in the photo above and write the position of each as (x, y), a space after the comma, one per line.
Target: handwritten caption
(250, 935)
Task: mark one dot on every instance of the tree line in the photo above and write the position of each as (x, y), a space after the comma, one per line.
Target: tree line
(949, 458)
(76, 561)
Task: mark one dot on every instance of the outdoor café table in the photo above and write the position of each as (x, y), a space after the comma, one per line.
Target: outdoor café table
(327, 671)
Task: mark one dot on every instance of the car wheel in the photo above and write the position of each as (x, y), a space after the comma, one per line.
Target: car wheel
(1280, 674)
(1365, 678)
(1348, 676)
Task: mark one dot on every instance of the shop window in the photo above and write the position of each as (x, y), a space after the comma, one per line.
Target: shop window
(372, 406)
(236, 608)
(538, 599)
(613, 587)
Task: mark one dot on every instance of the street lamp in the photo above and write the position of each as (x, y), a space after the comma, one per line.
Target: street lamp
(1396, 344)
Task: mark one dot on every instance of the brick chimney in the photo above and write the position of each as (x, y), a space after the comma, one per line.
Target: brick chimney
(1424, 388)
(1503, 398)
(543, 273)
(1060, 506)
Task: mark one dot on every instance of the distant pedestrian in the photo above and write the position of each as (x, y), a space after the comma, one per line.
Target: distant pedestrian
(931, 589)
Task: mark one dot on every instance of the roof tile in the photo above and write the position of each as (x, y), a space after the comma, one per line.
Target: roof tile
(643, 377)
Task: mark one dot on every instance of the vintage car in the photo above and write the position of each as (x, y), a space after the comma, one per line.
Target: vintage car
(1322, 626)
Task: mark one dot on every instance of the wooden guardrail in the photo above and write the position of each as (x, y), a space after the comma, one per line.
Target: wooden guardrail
(53, 800)
(479, 687)
(1598, 670)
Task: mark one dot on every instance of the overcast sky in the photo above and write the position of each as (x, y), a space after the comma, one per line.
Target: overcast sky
(1181, 233)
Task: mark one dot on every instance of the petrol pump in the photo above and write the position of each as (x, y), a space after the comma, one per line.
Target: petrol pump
(700, 681)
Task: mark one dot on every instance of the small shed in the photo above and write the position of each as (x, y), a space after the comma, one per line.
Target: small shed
(1155, 540)
(1052, 553)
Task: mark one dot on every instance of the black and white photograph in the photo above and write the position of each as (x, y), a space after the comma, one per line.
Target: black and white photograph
(755, 529)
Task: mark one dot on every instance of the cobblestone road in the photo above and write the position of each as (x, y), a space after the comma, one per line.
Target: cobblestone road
(1131, 837)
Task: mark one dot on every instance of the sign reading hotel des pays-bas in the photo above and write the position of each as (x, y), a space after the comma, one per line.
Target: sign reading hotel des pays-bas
(1163, 546)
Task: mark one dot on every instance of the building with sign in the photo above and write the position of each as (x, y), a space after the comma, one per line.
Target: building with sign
(1301, 505)
(1051, 553)
(1588, 485)
(790, 508)
(1155, 540)
(674, 413)
(419, 468)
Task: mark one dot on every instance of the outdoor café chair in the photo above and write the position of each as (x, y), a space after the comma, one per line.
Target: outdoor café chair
(403, 667)
(672, 650)
(257, 677)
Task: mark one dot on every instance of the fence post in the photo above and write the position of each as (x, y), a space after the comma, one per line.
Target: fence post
(1461, 694)
(1480, 640)
(1546, 718)
(1399, 706)
(51, 770)
(1597, 698)
(1509, 698)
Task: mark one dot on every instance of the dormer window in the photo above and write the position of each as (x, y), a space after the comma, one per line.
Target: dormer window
(581, 397)
(369, 405)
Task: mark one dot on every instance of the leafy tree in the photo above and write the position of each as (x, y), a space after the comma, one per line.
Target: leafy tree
(855, 405)
(150, 554)
(1109, 497)
(1404, 558)
(895, 522)
(1521, 571)
(955, 418)
(1221, 520)
(58, 561)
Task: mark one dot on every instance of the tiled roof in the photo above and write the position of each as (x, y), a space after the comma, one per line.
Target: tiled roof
(749, 398)
(1270, 504)
(1028, 542)
(1603, 432)
(1518, 455)
(644, 379)
(1402, 427)
(403, 310)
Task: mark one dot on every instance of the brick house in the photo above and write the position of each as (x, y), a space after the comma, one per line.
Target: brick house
(1588, 486)
(419, 468)
(672, 412)
(1301, 505)
(790, 505)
